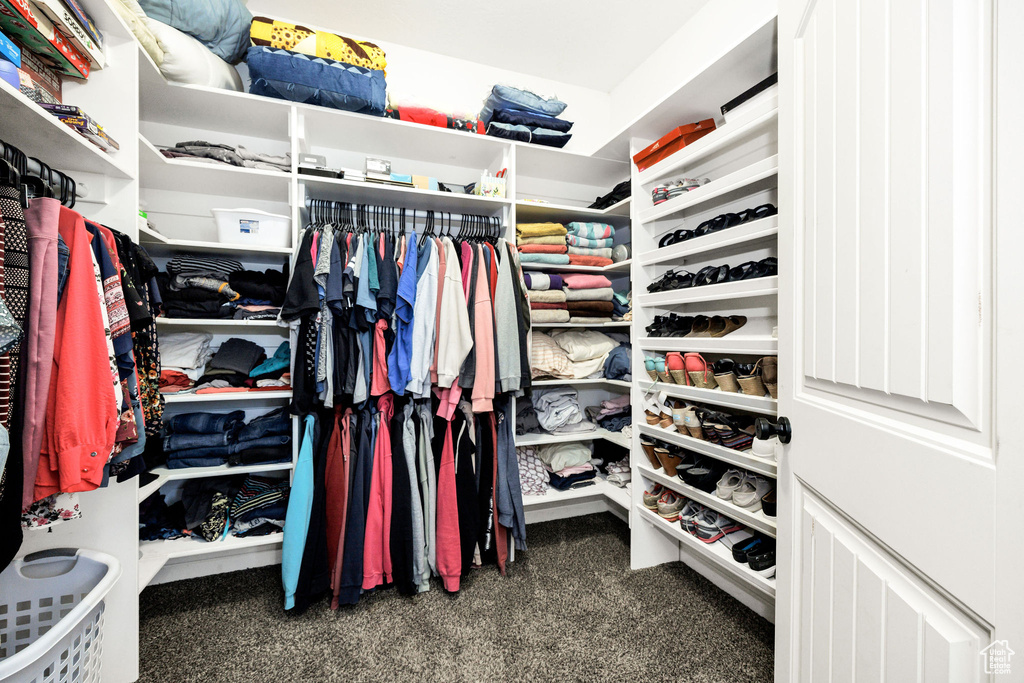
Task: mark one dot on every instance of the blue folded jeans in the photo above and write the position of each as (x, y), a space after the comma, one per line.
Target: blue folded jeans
(182, 463)
(185, 442)
(205, 423)
(219, 452)
(264, 442)
(274, 423)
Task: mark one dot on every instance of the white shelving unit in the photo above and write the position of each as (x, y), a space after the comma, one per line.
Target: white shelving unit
(740, 159)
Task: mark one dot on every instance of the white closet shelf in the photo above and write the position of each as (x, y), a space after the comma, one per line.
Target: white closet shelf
(362, 192)
(230, 396)
(188, 547)
(581, 382)
(744, 234)
(221, 323)
(748, 175)
(37, 133)
(147, 490)
(559, 165)
(742, 289)
(149, 566)
(601, 488)
(745, 459)
(586, 326)
(757, 521)
(620, 266)
(713, 142)
(542, 439)
(717, 552)
(731, 343)
(541, 211)
(620, 495)
(756, 404)
(217, 471)
(197, 177)
(152, 239)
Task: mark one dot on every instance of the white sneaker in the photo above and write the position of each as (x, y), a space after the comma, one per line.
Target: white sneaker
(748, 494)
(728, 483)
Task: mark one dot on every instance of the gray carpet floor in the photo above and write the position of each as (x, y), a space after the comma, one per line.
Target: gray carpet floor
(570, 610)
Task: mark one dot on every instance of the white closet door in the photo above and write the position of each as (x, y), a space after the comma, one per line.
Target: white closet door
(889, 532)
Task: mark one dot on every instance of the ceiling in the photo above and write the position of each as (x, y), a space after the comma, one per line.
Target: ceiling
(589, 43)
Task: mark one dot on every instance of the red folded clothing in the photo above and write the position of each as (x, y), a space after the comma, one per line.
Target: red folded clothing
(542, 306)
(590, 306)
(175, 379)
(580, 260)
(543, 249)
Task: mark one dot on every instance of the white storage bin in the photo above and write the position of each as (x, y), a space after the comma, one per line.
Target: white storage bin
(253, 227)
(51, 616)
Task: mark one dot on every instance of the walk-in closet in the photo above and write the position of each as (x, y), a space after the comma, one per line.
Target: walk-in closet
(412, 342)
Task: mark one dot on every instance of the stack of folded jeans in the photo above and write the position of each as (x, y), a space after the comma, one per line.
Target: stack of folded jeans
(521, 115)
(212, 439)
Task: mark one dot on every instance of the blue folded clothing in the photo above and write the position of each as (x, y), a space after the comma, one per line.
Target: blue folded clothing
(185, 442)
(519, 117)
(279, 361)
(300, 78)
(274, 423)
(553, 259)
(507, 97)
(205, 423)
(539, 136)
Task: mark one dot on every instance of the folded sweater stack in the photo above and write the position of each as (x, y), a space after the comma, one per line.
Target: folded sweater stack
(521, 115)
(588, 298)
(590, 244)
(547, 300)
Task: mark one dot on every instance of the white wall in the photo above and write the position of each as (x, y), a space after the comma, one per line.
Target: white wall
(713, 30)
(457, 85)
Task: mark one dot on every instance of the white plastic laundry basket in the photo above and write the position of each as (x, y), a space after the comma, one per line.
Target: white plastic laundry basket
(51, 616)
(253, 227)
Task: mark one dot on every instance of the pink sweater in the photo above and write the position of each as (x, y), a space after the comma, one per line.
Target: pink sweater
(483, 383)
(449, 552)
(377, 540)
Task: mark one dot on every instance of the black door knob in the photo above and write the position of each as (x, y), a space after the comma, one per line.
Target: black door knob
(766, 429)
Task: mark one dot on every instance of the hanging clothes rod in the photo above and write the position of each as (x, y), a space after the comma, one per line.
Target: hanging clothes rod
(411, 214)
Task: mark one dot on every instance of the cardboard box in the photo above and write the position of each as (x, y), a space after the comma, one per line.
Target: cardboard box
(21, 20)
(10, 51)
(672, 142)
(67, 22)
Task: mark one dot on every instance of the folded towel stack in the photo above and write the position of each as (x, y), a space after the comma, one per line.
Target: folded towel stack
(590, 244)
(542, 243)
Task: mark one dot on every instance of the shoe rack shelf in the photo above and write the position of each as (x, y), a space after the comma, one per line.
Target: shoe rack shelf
(743, 234)
(717, 554)
(764, 405)
(760, 286)
(756, 520)
(730, 343)
(745, 459)
(740, 160)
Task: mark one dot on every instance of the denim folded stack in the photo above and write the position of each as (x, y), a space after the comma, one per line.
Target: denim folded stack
(213, 439)
(520, 115)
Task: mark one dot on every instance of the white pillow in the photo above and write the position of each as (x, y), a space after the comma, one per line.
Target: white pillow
(186, 60)
(132, 14)
(580, 345)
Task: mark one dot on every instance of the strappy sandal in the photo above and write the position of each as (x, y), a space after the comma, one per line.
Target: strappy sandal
(675, 237)
(670, 281)
(759, 212)
(681, 326)
(711, 275)
(744, 271)
(700, 374)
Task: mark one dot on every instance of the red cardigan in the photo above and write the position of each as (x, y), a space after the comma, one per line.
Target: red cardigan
(81, 412)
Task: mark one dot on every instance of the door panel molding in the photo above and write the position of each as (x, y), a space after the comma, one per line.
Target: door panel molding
(865, 613)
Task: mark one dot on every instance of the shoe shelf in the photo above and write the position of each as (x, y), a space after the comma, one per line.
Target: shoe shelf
(717, 553)
(620, 266)
(720, 139)
(755, 520)
(745, 459)
(155, 241)
(543, 439)
(742, 289)
(199, 177)
(743, 234)
(730, 343)
(220, 323)
(748, 175)
(765, 405)
(600, 381)
(283, 395)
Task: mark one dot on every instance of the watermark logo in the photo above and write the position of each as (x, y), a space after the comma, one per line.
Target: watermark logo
(997, 657)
